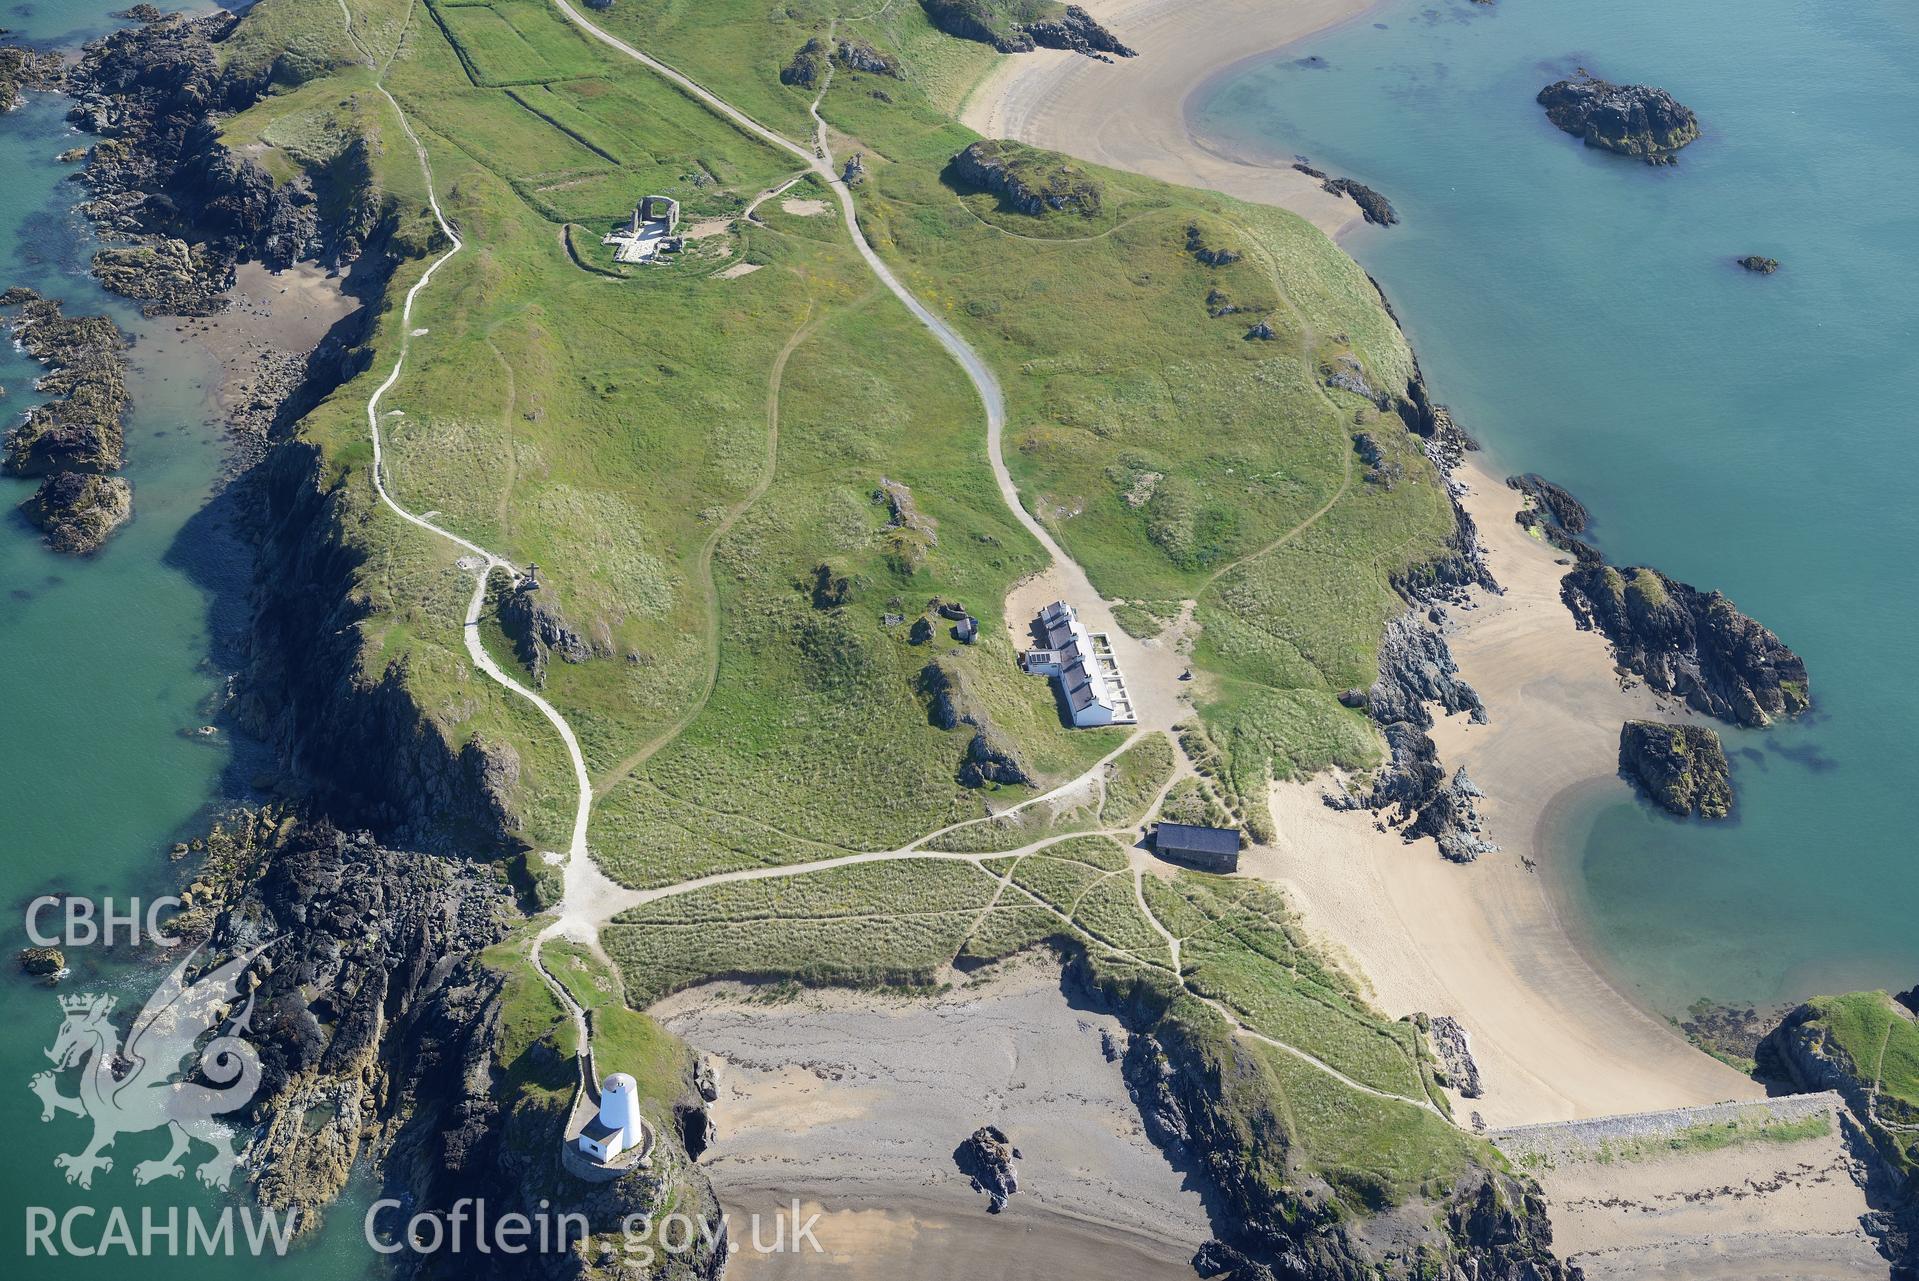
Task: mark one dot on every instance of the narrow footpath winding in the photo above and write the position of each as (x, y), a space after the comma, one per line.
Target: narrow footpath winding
(589, 898)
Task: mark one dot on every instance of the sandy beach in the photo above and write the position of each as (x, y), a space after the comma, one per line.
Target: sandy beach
(1131, 114)
(855, 1103)
(1484, 942)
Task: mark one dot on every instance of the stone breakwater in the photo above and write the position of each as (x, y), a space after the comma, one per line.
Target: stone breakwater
(1594, 1137)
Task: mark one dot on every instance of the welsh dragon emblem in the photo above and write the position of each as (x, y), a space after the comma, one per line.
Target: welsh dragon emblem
(148, 1083)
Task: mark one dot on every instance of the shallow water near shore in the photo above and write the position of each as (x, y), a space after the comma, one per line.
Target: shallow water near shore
(1582, 315)
(115, 661)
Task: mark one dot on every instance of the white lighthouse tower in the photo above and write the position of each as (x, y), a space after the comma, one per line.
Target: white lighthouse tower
(617, 1127)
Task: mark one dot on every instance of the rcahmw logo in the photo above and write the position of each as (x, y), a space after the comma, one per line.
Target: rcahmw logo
(149, 1083)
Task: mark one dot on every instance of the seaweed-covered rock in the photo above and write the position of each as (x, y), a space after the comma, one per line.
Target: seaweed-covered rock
(1632, 120)
(1693, 644)
(1762, 266)
(42, 962)
(1376, 208)
(22, 69)
(78, 511)
(1682, 767)
(79, 426)
(1028, 180)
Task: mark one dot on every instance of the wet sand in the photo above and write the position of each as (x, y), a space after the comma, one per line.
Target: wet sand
(855, 1104)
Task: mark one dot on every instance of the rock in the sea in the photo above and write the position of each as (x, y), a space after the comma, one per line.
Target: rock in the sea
(78, 511)
(1693, 644)
(987, 1158)
(1028, 180)
(1633, 120)
(42, 962)
(25, 69)
(1763, 266)
(1682, 767)
(79, 426)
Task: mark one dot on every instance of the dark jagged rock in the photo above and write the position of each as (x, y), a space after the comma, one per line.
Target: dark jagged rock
(186, 208)
(1909, 998)
(78, 511)
(1692, 644)
(1555, 514)
(1261, 332)
(987, 1159)
(1376, 208)
(808, 67)
(1682, 767)
(22, 69)
(991, 755)
(993, 22)
(532, 619)
(42, 962)
(1416, 668)
(1449, 1038)
(1633, 120)
(857, 55)
(1380, 470)
(1028, 180)
(1763, 266)
(1211, 255)
(1078, 31)
(79, 427)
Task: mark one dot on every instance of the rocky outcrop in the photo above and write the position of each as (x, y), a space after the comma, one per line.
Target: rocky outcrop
(1632, 120)
(987, 1159)
(22, 69)
(532, 619)
(42, 962)
(1692, 644)
(182, 207)
(1455, 1051)
(808, 67)
(1210, 254)
(78, 511)
(79, 428)
(1026, 179)
(77, 435)
(1375, 207)
(1078, 31)
(1755, 263)
(994, 22)
(991, 755)
(857, 55)
(1864, 1046)
(1682, 767)
(1554, 514)
(1197, 1092)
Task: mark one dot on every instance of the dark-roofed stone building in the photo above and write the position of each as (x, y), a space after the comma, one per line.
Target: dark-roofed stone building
(1215, 849)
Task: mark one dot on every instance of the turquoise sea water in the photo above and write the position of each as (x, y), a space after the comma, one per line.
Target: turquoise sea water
(110, 663)
(1581, 315)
